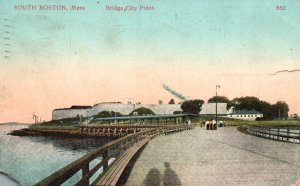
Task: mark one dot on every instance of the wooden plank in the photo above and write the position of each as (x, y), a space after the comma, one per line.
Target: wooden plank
(114, 182)
(118, 167)
(106, 174)
(125, 162)
(113, 173)
(92, 172)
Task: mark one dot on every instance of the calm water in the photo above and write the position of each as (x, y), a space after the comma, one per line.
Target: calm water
(30, 159)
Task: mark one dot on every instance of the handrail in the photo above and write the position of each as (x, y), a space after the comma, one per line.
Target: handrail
(131, 125)
(68, 171)
(275, 133)
(111, 150)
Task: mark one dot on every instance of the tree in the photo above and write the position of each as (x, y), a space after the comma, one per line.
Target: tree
(142, 111)
(103, 114)
(172, 101)
(281, 109)
(220, 99)
(268, 110)
(115, 114)
(177, 112)
(247, 103)
(192, 106)
(107, 114)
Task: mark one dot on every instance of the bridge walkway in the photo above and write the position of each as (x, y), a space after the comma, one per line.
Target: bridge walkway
(222, 157)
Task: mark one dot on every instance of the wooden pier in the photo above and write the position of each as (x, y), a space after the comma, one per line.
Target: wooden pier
(216, 157)
(113, 157)
(191, 157)
(117, 131)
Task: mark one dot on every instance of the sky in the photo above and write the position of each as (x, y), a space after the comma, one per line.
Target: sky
(55, 59)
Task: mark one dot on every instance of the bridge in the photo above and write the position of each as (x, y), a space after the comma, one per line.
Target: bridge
(216, 157)
(188, 157)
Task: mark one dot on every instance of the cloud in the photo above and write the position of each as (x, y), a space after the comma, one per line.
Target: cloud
(284, 71)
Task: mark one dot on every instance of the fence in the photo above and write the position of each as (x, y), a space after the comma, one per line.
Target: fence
(108, 152)
(281, 134)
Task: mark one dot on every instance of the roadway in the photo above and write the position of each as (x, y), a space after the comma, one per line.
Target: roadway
(222, 157)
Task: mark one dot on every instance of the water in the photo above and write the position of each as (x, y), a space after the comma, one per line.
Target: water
(30, 159)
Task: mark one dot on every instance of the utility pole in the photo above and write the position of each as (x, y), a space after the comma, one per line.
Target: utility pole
(35, 117)
(217, 86)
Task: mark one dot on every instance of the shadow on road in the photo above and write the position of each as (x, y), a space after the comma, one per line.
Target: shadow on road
(153, 178)
(169, 177)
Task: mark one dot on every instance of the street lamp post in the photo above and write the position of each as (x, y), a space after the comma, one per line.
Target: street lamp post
(217, 86)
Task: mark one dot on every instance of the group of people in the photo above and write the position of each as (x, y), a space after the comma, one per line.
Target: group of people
(212, 124)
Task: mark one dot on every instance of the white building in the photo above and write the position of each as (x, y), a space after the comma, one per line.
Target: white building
(210, 109)
(127, 108)
(245, 114)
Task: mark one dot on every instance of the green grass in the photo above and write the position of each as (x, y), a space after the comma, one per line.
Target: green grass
(63, 124)
(236, 122)
(73, 123)
(273, 123)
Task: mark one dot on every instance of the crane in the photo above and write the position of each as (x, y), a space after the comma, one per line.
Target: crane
(173, 92)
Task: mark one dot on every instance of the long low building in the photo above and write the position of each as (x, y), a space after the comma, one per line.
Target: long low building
(125, 109)
(250, 115)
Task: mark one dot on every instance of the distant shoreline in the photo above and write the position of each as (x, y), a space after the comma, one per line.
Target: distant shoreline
(75, 133)
(36, 132)
(15, 123)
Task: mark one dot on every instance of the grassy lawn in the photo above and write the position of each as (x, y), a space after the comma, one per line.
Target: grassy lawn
(236, 122)
(273, 123)
(63, 124)
(73, 123)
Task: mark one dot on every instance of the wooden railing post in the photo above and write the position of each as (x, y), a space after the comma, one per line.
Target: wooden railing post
(288, 134)
(299, 136)
(105, 161)
(85, 171)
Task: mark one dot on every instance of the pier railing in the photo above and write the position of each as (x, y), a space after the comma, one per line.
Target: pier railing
(106, 153)
(117, 131)
(275, 133)
(104, 156)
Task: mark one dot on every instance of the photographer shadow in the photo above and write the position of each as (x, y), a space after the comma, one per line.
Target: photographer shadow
(169, 177)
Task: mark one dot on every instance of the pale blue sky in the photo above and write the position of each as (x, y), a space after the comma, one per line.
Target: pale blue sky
(209, 30)
(58, 59)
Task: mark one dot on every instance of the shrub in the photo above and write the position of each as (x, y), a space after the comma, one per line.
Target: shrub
(142, 111)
